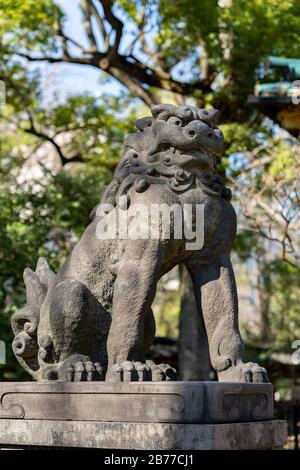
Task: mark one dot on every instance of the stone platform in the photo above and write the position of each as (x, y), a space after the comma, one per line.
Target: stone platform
(150, 402)
(142, 436)
(149, 415)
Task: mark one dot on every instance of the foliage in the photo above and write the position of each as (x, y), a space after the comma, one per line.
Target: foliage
(29, 24)
(268, 192)
(147, 45)
(266, 181)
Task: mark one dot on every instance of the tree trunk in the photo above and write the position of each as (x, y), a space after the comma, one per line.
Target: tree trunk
(263, 286)
(194, 362)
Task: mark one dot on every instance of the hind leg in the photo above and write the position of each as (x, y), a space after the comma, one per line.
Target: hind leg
(71, 332)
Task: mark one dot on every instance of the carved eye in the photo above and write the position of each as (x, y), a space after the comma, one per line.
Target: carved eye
(174, 120)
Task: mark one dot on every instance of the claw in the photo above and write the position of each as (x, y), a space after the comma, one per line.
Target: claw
(79, 372)
(150, 363)
(248, 375)
(90, 371)
(169, 372)
(157, 374)
(259, 374)
(117, 373)
(100, 373)
(70, 374)
(143, 371)
(129, 372)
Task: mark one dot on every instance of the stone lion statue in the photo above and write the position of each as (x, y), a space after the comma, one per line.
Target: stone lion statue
(93, 319)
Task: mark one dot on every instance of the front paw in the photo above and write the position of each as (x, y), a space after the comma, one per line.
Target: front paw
(79, 368)
(132, 371)
(244, 372)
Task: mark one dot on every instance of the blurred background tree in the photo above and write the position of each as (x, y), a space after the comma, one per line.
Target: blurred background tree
(58, 150)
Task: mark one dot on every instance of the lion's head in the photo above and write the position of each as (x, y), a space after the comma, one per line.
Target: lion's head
(177, 146)
(190, 132)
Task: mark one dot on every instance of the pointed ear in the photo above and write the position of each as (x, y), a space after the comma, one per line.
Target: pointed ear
(44, 272)
(142, 123)
(35, 290)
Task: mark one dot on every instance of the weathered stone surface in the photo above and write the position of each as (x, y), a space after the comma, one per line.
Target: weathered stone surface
(149, 436)
(93, 319)
(178, 402)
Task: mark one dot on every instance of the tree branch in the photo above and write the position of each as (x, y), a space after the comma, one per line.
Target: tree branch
(98, 19)
(68, 59)
(87, 14)
(32, 129)
(137, 76)
(142, 93)
(116, 24)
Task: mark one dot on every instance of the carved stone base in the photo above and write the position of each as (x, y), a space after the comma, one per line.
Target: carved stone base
(149, 415)
(138, 436)
(146, 402)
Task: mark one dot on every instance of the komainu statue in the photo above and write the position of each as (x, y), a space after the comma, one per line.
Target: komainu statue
(93, 319)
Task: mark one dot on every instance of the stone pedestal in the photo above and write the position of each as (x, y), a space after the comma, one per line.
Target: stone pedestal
(138, 436)
(150, 415)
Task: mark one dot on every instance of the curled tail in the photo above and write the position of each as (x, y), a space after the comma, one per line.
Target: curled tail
(25, 321)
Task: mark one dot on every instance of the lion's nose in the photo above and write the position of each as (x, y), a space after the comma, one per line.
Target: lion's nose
(191, 133)
(196, 129)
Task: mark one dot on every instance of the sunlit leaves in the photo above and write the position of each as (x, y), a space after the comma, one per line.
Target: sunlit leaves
(29, 23)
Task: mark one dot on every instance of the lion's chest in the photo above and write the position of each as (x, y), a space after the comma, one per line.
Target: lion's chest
(179, 215)
(206, 211)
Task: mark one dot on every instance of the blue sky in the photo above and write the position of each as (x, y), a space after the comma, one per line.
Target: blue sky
(67, 78)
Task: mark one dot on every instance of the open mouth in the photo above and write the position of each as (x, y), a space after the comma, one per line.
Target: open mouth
(200, 153)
